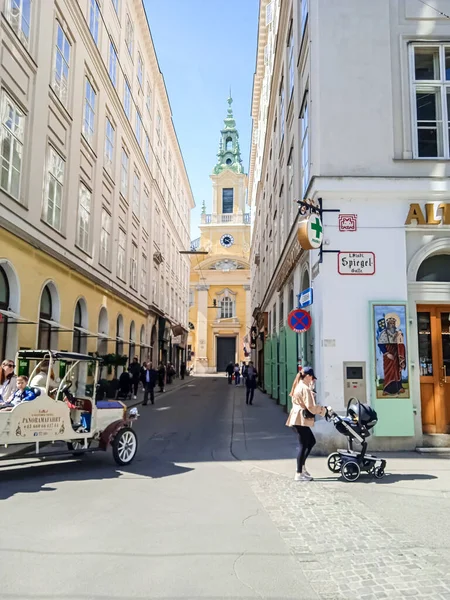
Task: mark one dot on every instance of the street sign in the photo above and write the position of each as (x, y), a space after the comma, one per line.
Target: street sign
(356, 263)
(310, 232)
(305, 298)
(299, 320)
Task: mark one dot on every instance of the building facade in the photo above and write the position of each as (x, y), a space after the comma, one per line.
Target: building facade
(219, 313)
(94, 196)
(350, 113)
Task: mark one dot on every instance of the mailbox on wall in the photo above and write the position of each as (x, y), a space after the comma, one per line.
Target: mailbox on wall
(355, 381)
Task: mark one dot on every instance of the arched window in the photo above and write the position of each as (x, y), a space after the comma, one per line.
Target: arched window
(143, 353)
(119, 335)
(435, 268)
(229, 143)
(226, 308)
(132, 346)
(77, 323)
(45, 314)
(153, 343)
(103, 331)
(4, 305)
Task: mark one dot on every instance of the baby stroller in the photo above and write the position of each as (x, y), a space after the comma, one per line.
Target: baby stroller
(125, 387)
(356, 425)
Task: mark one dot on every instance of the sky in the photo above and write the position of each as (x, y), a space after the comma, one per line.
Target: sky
(203, 48)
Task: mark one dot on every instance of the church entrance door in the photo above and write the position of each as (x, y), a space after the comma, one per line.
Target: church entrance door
(226, 352)
(433, 324)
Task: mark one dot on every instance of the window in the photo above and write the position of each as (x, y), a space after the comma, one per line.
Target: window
(138, 128)
(431, 110)
(12, 138)
(305, 148)
(109, 145)
(191, 297)
(116, 5)
(282, 115)
(229, 143)
(140, 71)
(121, 254)
(105, 240)
(112, 63)
(147, 149)
(54, 189)
(124, 174)
(227, 200)
(127, 99)
(148, 100)
(226, 308)
(133, 267)
(94, 18)
(143, 275)
(4, 305)
(19, 15)
(169, 165)
(145, 205)
(129, 36)
(89, 111)
(304, 5)
(291, 63)
(61, 68)
(158, 124)
(45, 314)
(136, 193)
(84, 217)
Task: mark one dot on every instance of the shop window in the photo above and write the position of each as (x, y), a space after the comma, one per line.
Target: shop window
(77, 323)
(4, 305)
(45, 314)
(119, 335)
(435, 268)
(132, 347)
(103, 330)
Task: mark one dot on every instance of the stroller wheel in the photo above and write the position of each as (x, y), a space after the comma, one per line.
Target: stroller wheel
(350, 470)
(379, 473)
(334, 462)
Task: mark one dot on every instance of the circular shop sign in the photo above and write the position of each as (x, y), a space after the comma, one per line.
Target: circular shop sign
(310, 232)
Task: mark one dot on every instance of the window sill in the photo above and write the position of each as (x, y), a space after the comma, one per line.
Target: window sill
(53, 229)
(422, 158)
(86, 252)
(107, 267)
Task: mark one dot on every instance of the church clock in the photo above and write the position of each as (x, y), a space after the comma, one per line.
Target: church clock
(227, 240)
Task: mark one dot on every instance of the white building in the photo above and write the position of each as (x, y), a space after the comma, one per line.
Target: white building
(351, 105)
(94, 196)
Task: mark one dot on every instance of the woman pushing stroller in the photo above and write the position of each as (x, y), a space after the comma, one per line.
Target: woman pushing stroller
(301, 418)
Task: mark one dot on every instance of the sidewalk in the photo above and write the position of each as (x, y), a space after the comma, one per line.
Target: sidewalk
(177, 384)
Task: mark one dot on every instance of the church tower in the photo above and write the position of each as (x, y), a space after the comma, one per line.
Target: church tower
(219, 311)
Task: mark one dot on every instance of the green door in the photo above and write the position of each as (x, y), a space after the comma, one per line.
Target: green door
(268, 365)
(291, 360)
(275, 391)
(283, 367)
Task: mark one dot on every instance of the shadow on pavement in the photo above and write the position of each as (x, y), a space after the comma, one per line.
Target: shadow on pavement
(387, 479)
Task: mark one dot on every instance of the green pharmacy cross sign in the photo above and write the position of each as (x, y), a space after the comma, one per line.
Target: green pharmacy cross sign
(316, 224)
(317, 228)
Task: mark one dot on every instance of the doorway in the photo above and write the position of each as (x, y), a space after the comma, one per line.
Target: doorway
(433, 324)
(226, 352)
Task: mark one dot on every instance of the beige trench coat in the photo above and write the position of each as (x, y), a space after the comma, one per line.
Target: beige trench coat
(303, 397)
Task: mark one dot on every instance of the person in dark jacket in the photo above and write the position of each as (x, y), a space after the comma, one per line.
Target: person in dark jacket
(229, 371)
(149, 379)
(161, 377)
(182, 370)
(135, 372)
(251, 380)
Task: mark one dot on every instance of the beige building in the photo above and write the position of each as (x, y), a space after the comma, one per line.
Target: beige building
(94, 196)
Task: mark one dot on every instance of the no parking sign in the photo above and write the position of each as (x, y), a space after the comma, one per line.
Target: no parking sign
(299, 320)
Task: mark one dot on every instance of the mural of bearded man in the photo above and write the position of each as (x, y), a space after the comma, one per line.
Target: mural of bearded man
(392, 346)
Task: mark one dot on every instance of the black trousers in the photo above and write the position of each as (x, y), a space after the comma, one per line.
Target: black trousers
(249, 393)
(149, 389)
(307, 442)
(135, 386)
(230, 377)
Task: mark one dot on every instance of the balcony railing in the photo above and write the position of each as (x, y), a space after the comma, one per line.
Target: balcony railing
(195, 244)
(227, 218)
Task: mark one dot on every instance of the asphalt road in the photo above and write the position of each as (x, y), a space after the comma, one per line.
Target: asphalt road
(180, 522)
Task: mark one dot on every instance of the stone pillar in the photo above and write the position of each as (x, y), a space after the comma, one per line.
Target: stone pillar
(201, 358)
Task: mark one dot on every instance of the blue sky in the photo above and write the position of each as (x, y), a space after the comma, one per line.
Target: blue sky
(203, 47)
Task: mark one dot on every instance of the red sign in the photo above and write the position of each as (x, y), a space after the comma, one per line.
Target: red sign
(348, 222)
(299, 320)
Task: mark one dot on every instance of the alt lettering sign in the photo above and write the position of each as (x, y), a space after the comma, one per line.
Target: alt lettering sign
(356, 263)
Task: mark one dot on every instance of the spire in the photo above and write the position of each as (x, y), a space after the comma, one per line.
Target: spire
(203, 208)
(229, 155)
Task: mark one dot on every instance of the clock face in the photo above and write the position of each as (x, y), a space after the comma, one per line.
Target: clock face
(227, 240)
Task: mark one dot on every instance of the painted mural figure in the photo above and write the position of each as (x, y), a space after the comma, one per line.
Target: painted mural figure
(392, 346)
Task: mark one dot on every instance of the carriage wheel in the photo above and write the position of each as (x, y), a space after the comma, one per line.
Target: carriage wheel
(124, 446)
(350, 471)
(334, 462)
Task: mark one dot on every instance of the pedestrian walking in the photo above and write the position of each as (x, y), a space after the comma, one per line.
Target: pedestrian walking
(229, 371)
(135, 372)
(161, 377)
(244, 372)
(301, 418)
(149, 379)
(7, 381)
(237, 374)
(182, 370)
(170, 372)
(251, 380)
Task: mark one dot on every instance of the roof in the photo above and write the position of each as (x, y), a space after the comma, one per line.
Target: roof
(55, 355)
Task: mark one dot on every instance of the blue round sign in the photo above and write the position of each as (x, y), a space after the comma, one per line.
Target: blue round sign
(299, 320)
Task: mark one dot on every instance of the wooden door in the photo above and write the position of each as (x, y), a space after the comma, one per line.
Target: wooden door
(434, 363)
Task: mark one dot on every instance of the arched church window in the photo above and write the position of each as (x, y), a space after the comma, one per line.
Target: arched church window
(226, 308)
(228, 144)
(435, 268)
(4, 305)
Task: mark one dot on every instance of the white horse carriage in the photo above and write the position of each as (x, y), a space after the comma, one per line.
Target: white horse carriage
(82, 423)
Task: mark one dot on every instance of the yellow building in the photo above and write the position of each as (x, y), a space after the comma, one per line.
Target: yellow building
(219, 313)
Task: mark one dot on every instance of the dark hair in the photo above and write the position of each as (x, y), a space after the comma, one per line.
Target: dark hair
(24, 377)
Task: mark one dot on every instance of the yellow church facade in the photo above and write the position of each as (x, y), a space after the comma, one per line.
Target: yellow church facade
(220, 306)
